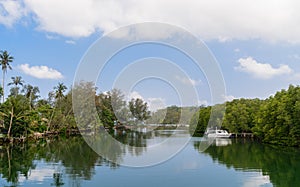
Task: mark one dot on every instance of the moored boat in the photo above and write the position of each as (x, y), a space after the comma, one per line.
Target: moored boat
(217, 133)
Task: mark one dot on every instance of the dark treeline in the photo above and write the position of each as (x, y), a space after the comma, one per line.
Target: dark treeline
(275, 120)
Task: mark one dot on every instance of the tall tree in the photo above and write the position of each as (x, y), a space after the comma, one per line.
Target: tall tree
(5, 60)
(31, 93)
(16, 81)
(111, 108)
(1, 91)
(16, 115)
(139, 110)
(59, 90)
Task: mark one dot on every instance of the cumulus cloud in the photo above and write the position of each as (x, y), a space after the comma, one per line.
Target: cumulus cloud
(10, 12)
(261, 70)
(154, 103)
(214, 19)
(40, 72)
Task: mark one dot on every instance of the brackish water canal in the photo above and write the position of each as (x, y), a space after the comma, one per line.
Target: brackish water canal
(70, 162)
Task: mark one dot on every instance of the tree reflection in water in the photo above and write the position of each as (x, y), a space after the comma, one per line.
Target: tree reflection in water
(73, 153)
(281, 164)
(57, 180)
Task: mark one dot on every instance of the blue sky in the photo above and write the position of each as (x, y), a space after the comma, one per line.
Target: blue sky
(257, 44)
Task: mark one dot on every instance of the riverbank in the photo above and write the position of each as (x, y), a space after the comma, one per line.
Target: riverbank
(274, 120)
(38, 135)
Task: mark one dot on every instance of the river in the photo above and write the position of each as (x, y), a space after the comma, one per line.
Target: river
(71, 162)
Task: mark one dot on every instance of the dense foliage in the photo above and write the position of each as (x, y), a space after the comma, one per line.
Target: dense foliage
(23, 113)
(274, 120)
(172, 115)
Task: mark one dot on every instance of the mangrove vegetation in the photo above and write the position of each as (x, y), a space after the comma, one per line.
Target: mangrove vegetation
(274, 120)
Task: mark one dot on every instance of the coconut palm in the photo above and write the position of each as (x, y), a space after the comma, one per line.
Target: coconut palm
(5, 60)
(59, 90)
(31, 93)
(1, 91)
(16, 81)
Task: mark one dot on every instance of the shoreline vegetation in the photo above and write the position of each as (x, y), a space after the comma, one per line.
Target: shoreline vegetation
(25, 116)
(275, 120)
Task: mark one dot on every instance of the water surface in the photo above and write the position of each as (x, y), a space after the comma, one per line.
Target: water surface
(70, 162)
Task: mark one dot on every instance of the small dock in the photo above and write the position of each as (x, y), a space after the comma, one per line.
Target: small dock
(242, 135)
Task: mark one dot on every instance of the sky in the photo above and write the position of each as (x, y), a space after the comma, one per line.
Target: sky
(256, 43)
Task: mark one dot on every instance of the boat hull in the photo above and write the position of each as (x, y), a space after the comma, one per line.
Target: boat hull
(218, 135)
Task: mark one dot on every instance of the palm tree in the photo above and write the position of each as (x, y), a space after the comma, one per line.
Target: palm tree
(57, 94)
(1, 91)
(59, 90)
(31, 93)
(5, 60)
(16, 81)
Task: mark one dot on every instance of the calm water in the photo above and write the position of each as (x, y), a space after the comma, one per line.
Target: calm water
(70, 162)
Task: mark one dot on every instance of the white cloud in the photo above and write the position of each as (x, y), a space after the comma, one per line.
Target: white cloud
(10, 12)
(203, 102)
(156, 103)
(261, 70)
(188, 81)
(214, 19)
(40, 72)
(38, 175)
(229, 97)
(257, 179)
(51, 37)
(72, 42)
(135, 95)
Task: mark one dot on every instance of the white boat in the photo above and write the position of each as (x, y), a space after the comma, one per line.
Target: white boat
(217, 133)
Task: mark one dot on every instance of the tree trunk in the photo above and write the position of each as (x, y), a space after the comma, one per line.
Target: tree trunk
(17, 91)
(11, 120)
(3, 97)
(49, 122)
(3, 85)
(30, 102)
(8, 158)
